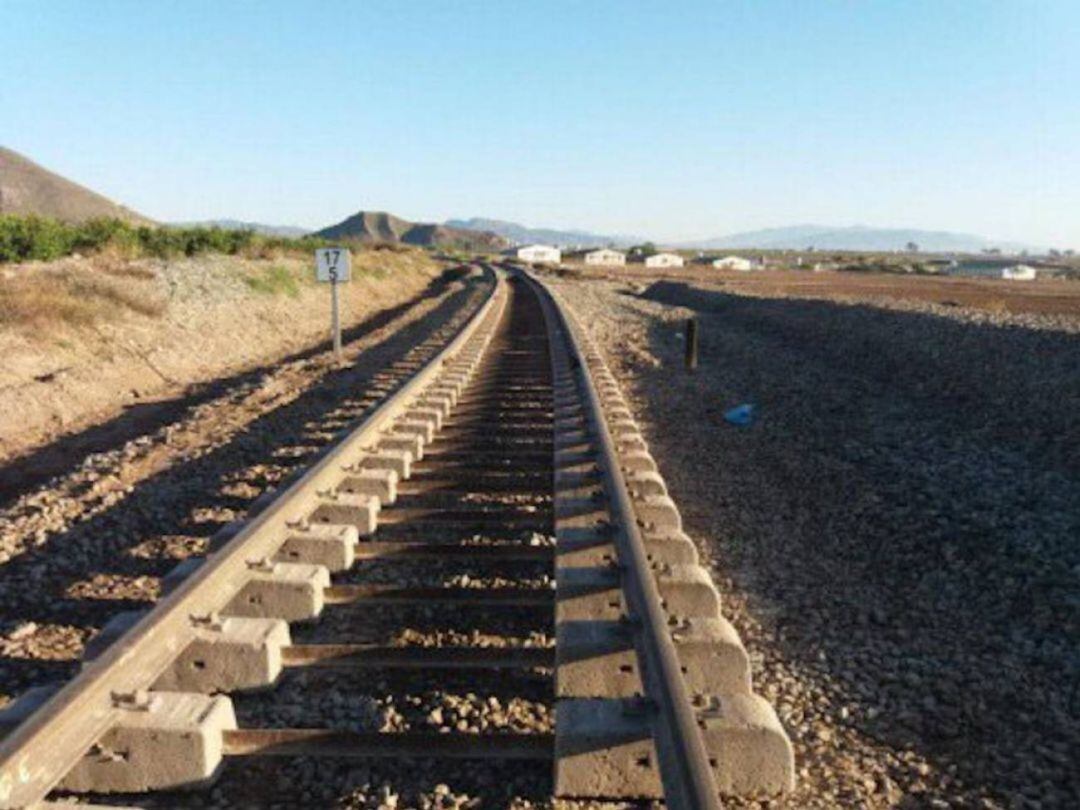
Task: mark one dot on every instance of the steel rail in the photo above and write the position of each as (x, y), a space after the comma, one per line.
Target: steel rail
(42, 749)
(686, 774)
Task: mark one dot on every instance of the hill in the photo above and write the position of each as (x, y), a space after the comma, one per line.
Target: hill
(856, 237)
(379, 226)
(291, 231)
(523, 234)
(26, 188)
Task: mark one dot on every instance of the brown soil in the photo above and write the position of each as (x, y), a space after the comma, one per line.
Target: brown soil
(1045, 296)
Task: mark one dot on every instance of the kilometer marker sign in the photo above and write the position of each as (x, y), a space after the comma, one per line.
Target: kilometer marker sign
(333, 265)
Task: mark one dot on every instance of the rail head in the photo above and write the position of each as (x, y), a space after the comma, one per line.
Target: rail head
(685, 770)
(36, 755)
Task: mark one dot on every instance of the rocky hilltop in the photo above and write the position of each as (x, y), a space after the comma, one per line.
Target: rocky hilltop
(380, 226)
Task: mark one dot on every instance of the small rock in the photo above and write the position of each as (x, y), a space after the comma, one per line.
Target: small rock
(24, 630)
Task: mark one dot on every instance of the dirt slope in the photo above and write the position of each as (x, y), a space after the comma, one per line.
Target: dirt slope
(26, 188)
(140, 330)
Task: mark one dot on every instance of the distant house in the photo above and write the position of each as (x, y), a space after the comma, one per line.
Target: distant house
(941, 265)
(664, 260)
(605, 256)
(733, 263)
(540, 254)
(1019, 272)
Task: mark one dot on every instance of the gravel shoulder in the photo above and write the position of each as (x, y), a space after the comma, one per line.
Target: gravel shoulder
(895, 536)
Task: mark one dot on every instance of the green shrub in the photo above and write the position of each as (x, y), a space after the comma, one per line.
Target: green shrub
(100, 233)
(28, 238)
(33, 238)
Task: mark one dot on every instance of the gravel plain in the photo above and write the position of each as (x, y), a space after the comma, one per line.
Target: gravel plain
(896, 535)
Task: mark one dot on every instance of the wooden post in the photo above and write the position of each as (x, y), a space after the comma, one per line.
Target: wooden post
(691, 343)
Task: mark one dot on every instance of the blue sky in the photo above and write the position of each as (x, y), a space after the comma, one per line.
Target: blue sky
(674, 120)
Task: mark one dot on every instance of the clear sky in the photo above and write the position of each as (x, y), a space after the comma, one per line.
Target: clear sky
(668, 119)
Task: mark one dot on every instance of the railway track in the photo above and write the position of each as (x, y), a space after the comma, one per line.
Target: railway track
(487, 573)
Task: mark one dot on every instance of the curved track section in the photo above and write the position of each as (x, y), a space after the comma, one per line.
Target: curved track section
(490, 566)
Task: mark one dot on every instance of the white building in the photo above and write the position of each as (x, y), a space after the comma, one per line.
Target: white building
(664, 260)
(1019, 272)
(733, 263)
(605, 256)
(540, 254)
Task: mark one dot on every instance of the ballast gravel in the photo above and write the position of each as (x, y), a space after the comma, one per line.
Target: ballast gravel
(895, 535)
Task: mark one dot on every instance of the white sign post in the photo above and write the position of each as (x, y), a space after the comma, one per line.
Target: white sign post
(333, 265)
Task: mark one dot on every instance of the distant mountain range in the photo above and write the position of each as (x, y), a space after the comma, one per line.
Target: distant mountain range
(856, 237)
(239, 225)
(27, 188)
(795, 237)
(523, 234)
(379, 226)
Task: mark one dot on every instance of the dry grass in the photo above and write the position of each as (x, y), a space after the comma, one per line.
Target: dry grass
(39, 299)
(128, 271)
(391, 247)
(115, 255)
(74, 297)
(276, 279)
(264, 250)
(383, 262)
(115, 263)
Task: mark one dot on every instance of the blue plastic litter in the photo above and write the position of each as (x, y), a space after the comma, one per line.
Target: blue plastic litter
(741, 415)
